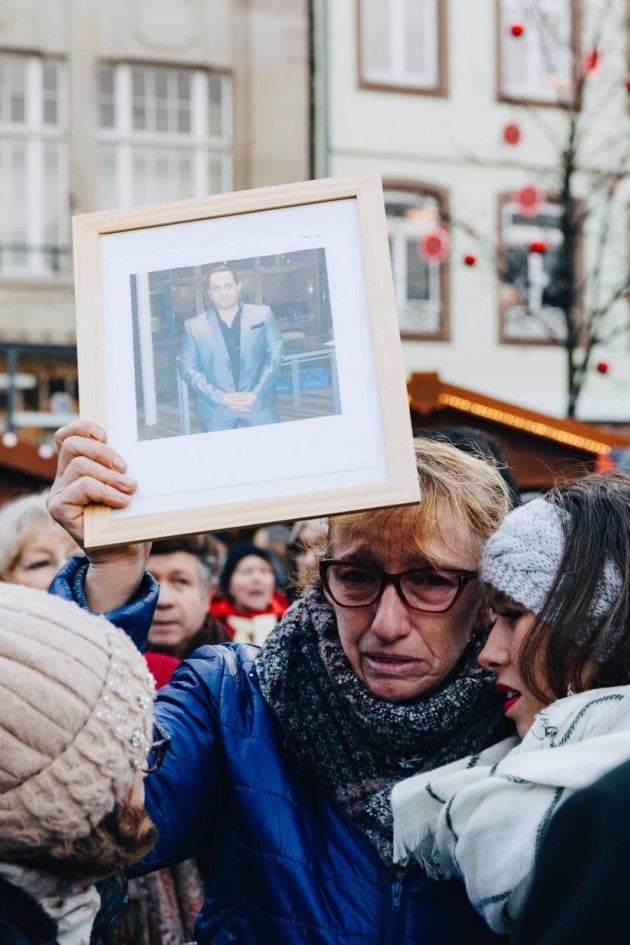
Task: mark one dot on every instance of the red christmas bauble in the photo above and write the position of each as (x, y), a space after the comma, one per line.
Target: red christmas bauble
(434, 246)
(517, 29)
(529, 199)
(602, 367)
(470, 259)
(628, 84)
(512, 133)
(591, 60)
(538, 246)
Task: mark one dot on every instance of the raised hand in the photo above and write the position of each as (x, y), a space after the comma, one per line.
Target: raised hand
(89, 471)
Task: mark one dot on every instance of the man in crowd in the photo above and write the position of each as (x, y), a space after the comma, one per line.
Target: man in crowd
(230, 356)
(186, 570)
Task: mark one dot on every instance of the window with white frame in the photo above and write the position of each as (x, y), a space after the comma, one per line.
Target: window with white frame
(531, 292)
(400, 43)
(165, 132)
(34, 181)
(536, 50)
(418, 281)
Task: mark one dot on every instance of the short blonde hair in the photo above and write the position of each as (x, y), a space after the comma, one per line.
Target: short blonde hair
(18, 519)
(454, 485)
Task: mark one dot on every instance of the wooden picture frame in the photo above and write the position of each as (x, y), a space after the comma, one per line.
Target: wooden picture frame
(338, 437)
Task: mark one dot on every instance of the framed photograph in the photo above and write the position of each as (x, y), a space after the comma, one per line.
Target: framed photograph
(242, 351)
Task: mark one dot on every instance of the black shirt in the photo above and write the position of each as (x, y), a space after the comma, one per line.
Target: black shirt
(232, 337)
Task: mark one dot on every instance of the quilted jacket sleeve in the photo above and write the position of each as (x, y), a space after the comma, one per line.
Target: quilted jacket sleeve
(134, 618)
(183, 793)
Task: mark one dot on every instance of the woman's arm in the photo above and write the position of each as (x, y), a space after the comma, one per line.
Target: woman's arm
(89, 471)
(183, 795)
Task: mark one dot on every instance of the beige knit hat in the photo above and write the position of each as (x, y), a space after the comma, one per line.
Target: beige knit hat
(75, 719)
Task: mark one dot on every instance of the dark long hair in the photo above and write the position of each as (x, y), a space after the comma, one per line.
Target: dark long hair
(570, 646)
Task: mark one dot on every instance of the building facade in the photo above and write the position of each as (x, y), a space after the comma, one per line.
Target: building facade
(466, 110)
(108, 105)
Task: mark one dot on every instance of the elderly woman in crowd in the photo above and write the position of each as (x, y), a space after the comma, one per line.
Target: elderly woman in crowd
(282, 760)
(32, 545)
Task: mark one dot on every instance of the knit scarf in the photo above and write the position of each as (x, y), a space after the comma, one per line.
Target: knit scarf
(72, 906)
(357, 745)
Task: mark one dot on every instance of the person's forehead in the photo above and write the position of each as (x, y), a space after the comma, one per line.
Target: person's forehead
(43, 538)
(402, 537)
(221, 278)
(175, 562)
(249, 562)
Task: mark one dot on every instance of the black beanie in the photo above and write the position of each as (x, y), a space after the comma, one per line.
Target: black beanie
(234, 556)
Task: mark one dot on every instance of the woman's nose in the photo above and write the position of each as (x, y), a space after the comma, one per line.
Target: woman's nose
(391, 619)
(494, 653)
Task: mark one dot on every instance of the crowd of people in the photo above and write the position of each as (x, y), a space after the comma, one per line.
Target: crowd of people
(409, 725)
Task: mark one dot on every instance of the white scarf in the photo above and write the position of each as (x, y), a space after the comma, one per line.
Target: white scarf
(482, 818)
(72, 906)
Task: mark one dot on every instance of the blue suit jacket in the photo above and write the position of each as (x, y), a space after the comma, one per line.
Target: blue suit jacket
(205, 362)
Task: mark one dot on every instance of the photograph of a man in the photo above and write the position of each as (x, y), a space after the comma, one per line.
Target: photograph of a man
(230, 356)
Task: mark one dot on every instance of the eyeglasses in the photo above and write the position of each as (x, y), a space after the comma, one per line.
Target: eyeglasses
(423, 589)
(158, 749)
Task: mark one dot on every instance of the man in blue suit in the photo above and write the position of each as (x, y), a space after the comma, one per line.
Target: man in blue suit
(230, 356)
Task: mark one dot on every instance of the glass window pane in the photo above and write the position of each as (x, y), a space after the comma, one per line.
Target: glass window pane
(105, 115)
(13, 87)
(417, 273)
(139, 118)
(215, 173)
(55, 208)
(50, 113)
(13, 249)
(421, 39)
(50, 71)
(161, 83)
(215, 99)
(17, 111)
(105, 97)
(183, 85)
(375, 35)
(531, 289)
(410, 216)
(161, 118)
(183, 120)
(537, 64)
(137, 83)
(106, 80)
(107, 195)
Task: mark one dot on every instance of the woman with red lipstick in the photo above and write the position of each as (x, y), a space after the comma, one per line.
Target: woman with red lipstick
(284, 759)
(557, 573)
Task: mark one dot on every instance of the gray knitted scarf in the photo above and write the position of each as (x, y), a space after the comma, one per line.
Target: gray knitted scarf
(359, 746)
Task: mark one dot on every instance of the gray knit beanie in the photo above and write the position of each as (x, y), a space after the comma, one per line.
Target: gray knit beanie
(75, 719)
(522, 558)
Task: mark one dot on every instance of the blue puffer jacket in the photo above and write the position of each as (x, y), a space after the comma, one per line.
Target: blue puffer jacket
(287, 866)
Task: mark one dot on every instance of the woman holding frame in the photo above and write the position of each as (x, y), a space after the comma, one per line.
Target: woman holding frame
(557, 574)
(282, 760)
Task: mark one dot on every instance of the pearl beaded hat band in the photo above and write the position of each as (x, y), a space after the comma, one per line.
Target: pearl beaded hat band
(75, 719)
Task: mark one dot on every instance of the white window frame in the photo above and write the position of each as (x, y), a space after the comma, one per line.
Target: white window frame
(396, 75)
(542, 324)
(201, 144)
(400, 232)
(35, 134)
(536, 87)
